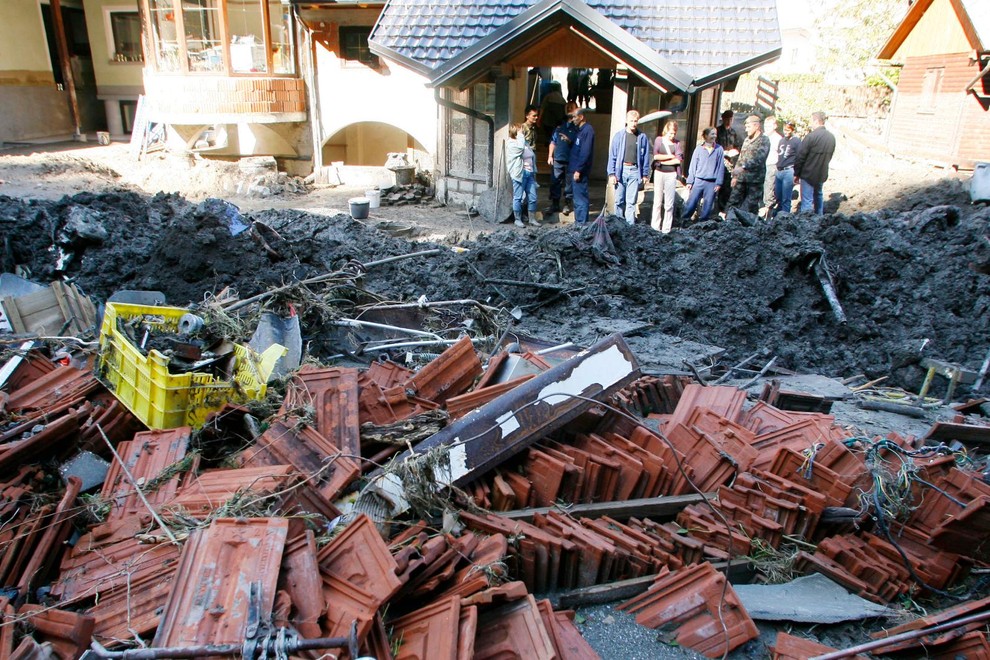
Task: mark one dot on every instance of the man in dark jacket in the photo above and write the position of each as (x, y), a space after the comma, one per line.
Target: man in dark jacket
(579, 165)
(811, 164)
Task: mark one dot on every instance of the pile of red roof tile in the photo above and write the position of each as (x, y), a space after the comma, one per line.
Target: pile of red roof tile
(188, 552)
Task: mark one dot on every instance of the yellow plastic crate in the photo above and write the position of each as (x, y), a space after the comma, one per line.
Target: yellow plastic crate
(162, 400)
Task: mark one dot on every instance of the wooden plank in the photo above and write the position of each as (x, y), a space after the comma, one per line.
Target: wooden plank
(967, 433)
(649, 507)
(740, 571)
(13, 314)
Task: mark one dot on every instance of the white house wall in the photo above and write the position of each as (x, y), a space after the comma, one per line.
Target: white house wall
(31, 106)
(352, 94)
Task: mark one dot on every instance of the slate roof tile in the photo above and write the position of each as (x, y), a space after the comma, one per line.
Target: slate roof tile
(700, 36)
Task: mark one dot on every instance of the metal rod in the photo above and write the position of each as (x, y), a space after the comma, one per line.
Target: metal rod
(903, 637)
(354, 323)
(410, 344)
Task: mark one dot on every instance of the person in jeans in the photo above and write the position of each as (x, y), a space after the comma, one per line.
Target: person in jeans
(520, 159)
(811, 164)
(579, 165)
(560, 153)
(705, 175)
(628, 166)
(751, 167)
(783, 185)
(668, 154)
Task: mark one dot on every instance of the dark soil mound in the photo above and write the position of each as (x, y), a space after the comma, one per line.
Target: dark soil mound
(911, 282)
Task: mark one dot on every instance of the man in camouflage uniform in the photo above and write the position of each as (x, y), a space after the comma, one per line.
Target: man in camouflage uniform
(750, 170)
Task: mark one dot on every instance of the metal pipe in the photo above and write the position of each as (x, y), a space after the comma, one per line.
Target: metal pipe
(410, 344)
(354, 323)
(471, 112)
(903, 637)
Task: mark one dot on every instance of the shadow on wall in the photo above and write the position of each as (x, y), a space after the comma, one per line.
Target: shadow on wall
(369, 143)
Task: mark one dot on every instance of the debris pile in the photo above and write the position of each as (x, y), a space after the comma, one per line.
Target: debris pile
(389, 512)
(727, 285)
(426, 480)
(410, 193)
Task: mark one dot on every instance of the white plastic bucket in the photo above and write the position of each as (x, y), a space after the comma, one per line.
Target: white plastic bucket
(374, 197)
(359, 207)
(979, 186)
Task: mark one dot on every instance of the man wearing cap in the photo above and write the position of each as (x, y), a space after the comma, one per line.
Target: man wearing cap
(629, 163)
(783, 186)
(560, 152)
(579, 165)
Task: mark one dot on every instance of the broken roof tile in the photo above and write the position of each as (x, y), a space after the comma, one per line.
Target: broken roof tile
(359, 555)
(225, 570)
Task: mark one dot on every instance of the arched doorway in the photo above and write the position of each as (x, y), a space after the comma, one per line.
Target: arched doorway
(369, 143)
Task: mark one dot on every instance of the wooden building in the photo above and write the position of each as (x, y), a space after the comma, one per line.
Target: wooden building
(940, 112)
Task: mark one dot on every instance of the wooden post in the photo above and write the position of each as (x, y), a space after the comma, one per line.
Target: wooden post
(63, 56)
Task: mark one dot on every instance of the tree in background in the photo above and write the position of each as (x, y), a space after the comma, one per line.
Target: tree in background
(851, 33)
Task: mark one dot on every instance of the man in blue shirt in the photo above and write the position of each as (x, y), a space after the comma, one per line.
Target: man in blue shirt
(560, 153)
(629, 162)
(705, 175)
(579, 165)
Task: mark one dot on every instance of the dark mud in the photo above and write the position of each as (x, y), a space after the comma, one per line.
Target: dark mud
(912, 280)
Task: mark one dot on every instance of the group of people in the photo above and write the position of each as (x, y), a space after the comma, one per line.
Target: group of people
(572, 144)
(760, 170)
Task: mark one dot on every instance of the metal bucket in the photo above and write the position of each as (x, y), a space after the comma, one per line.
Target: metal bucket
(359, 207)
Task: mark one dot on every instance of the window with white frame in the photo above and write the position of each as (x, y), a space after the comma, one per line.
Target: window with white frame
(233, 37)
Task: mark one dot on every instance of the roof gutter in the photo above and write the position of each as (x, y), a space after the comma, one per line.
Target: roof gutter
(471, 112)
(735, 71)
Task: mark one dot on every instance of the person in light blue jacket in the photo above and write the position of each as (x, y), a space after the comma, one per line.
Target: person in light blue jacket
(629, 163)
(705, 175)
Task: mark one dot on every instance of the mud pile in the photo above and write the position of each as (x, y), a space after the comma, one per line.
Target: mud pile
(913, 281)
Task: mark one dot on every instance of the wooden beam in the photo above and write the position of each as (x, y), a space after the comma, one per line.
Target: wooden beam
(651, 507)
(599, 594)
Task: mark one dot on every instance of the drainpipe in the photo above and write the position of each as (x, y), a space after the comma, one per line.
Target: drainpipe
(471, 112)
(63, 54)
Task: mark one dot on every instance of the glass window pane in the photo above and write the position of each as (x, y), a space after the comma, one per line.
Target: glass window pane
(165, 41)
(354, 44)
(204, 48)
(280, 18)
(480, 164)
(125, 28)
(246, 26)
